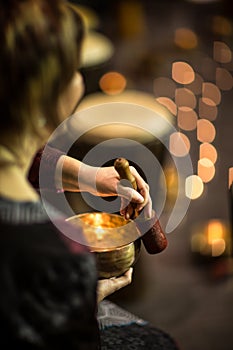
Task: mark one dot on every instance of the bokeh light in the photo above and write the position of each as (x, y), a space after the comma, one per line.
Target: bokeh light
(207, 150)
(168, 103)
(187, 118)
(185, 97)
(112, 83)
(193, 187)
(212, 92)
(222, 26)
(222, 52)
(205, 169)
(205, 131)
(182, 72)
(185, 38)
(207, 109)
(179, 144)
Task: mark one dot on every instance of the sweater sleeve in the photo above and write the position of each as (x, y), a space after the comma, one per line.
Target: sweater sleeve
(50, 159)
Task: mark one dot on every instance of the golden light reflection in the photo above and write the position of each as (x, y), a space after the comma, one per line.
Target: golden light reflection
(221, 25)
(193, 187)
(187, 118)
(222, 52)
(182, 72)
(205, 169)
(207, 150)
(164, 87)
(214, 230)
(185, 38)
(207, 109)
(212, 92)
(168, 103)
(224, 79)
(216, 237)
(196, 85)
(179, 144)
(211, 238)
(112, 83)
(205, 131)
(218, 247)
(185, 97)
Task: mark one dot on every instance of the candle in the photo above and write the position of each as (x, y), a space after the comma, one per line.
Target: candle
(211, 239)
(216, 237)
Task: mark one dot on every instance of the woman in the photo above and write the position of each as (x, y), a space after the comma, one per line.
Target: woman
(48, 285)
(49, 290)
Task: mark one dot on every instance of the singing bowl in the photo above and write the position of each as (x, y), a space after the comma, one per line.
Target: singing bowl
(109, 230)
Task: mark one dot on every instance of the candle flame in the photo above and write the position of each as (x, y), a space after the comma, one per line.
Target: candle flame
(215, 231)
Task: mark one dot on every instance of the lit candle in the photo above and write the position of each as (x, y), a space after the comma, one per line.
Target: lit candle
(211, 239)
(216, 237)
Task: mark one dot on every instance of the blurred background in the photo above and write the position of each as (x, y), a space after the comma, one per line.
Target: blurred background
(176, 57)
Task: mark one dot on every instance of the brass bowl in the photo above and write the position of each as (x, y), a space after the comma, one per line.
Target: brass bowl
(108, 236)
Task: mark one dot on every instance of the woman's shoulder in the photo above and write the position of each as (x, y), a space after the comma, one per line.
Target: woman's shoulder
(48, 285)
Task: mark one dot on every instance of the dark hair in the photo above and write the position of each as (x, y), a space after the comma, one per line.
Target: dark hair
(40, 43)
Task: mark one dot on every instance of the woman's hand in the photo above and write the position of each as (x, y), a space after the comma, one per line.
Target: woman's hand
(104, 181)
(108, 286)
(108, 183)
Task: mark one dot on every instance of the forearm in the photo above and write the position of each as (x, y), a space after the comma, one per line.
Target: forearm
(74, 176)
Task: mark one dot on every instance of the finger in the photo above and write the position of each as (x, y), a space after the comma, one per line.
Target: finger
(129, 193)
(126, 210)
(109, 286)
(122, 281)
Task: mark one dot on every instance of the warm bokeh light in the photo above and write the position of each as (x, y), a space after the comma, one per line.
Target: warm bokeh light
(196, 85)
(179, 144)
(182, 72)
(212, 92)
(216, 233)
(222, 25)
(193, 187)
(186, 118)
(168, 103)
(185, 38)
(207, 109)
(185, 97)
(211, 238)
(164, 87)
(205, 131)
(96, 49)
(112, 83)
(224, 79)
(222, 52)
(230, 177)
(205, 169)
(207, 150)
(218, 247)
